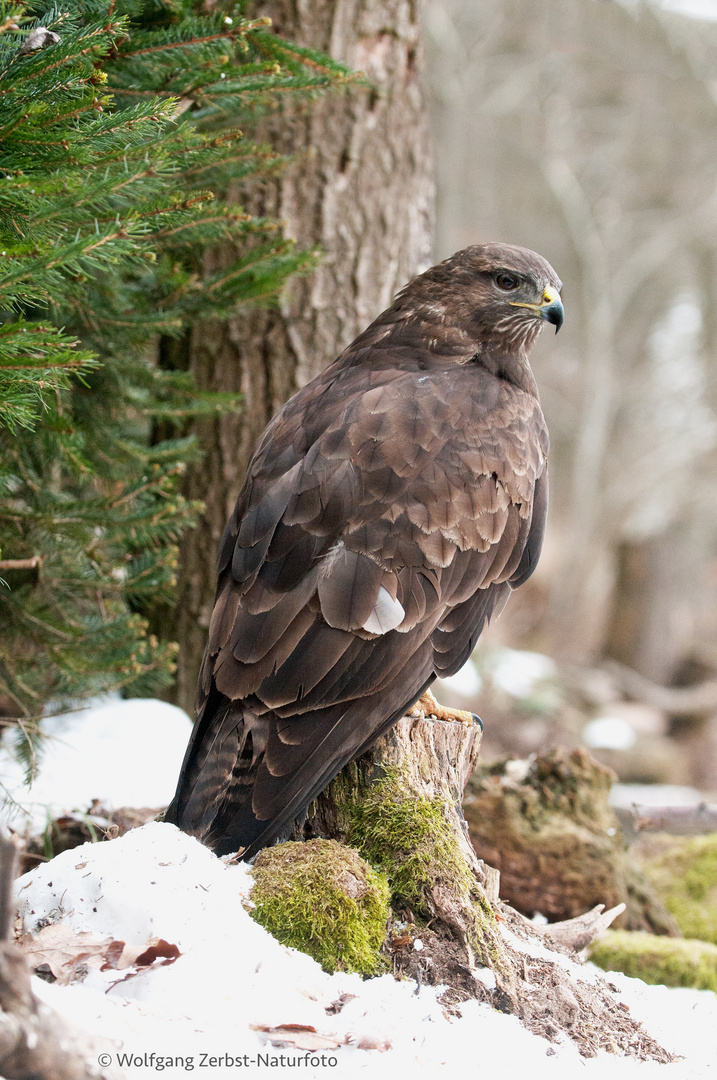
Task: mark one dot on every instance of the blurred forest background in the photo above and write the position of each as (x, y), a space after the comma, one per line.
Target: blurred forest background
(589, 132)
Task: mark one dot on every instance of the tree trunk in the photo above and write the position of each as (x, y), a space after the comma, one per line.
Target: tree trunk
(360, 191)
(654, 623)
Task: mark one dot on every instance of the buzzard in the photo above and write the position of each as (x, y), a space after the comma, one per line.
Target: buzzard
(389, 509)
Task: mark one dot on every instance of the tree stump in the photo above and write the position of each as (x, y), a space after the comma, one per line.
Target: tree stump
(435, 759)
(548, 826)
(399, 805)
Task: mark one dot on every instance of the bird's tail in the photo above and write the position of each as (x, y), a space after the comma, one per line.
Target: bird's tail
(246, 776)
(218, 773)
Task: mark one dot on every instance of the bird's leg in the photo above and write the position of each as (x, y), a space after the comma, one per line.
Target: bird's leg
(428, 708)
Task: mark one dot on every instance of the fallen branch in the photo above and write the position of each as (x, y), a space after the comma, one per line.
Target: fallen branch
(678, 820)
(578, 933)
(8, 858)
(21, 564)
(676, 700)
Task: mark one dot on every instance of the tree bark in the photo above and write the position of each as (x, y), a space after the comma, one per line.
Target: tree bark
(360, 191)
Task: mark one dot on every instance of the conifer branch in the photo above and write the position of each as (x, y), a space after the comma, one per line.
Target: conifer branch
(102, 222)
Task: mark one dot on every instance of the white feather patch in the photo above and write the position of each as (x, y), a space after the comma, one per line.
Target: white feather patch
(386, 615)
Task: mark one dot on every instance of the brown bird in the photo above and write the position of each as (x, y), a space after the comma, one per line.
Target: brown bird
(389, 509)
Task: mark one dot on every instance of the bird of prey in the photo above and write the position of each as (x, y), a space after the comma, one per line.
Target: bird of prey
(389, 509)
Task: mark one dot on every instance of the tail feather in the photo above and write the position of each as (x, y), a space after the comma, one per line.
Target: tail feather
(242, 786)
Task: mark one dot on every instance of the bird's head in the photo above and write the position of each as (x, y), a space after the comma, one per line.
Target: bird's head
(499, 295)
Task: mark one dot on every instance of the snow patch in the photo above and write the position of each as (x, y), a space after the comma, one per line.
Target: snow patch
(610, 733)
(233, 978)
(124, 753)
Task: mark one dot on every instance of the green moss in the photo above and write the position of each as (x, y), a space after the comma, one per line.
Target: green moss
(668, 961)
(322, 898)
(408, 837)
(684, 875)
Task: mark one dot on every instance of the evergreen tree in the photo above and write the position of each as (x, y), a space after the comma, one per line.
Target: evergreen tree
(113, 136)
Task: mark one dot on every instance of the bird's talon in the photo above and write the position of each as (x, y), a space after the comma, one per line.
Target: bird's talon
(427, 708)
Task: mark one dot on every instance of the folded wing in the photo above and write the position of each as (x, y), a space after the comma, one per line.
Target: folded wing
(385, 517)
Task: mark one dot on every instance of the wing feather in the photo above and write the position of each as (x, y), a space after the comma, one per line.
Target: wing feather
(348, 587)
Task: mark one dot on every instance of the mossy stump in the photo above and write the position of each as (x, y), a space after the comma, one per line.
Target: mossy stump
(399, 806)
(548, 827)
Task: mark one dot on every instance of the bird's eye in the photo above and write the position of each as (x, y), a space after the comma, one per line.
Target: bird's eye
(507, 282)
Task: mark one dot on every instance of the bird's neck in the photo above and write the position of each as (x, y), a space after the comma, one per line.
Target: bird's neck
(433, 342)
(513, 367)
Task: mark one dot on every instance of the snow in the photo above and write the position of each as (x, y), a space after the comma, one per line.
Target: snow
(518, 672)
(155, 882)
(466, 681)
(124, 753)
(693, 9)
(625, 796)
(610, 732)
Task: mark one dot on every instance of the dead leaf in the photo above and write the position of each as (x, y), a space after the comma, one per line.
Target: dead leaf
(65, 955)
(65, 952)
(300, 1036)
(116, 956)
(160, 950)
(400, 940)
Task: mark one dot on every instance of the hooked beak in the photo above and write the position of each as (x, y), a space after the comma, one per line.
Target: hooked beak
(550, 308)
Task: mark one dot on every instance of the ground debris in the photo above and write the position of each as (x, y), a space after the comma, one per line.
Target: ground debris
(553, 1001)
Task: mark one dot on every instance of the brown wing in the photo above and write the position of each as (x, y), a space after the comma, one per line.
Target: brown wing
(386, 515)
